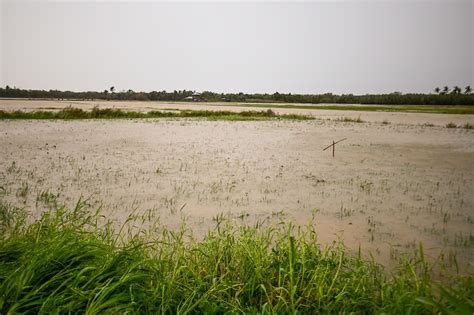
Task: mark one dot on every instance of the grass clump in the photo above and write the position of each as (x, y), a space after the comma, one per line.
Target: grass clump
(112, 113)
(465, 126)
(70, 262)
(349, 119)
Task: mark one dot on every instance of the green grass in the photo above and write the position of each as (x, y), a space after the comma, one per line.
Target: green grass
(73, 262)
(110, 113)
(349, 119)
(435, 109)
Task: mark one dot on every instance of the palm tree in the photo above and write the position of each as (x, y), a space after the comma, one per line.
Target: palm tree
(112, 89)
(437, 90)
(467, 90)
(445, 90)
(456, 90)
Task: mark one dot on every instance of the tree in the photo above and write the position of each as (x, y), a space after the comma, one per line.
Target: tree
(7, 87)
(437, 90)
(106, 91)
(445, 90)
(112, 89)
(456, 90)
(467, 90)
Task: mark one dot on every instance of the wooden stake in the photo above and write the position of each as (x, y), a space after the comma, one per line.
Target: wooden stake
(333, 145)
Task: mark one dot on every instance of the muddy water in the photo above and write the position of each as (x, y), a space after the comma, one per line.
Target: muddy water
(388, 187)
(391, 117)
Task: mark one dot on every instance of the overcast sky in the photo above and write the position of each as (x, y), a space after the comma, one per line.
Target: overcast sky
(306, 47)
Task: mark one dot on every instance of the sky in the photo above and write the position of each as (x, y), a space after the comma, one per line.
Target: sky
(311, 47)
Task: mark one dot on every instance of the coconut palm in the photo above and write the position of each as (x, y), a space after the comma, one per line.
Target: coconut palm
(445, 90)
(456, 90)
(112, 89)
(467, 90)
(437, 90)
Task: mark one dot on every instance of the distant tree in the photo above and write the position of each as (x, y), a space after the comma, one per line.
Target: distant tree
(456, 90)
(7, 87)
(106, 91)
(467, 90)
(112, 89)
(437, 90)
(445, 90)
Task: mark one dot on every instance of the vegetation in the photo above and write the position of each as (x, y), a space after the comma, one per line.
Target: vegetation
(73, 262)
(111, 113)
(349, 119)
(465, 126)
(434, 109)
(442, 97)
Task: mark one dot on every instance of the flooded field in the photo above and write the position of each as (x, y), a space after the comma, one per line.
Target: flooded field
(390, 186)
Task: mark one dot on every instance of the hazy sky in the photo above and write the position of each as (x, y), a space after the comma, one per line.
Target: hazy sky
(305, 47)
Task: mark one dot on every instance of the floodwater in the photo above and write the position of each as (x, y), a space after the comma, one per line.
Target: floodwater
(389, 187)
(374, 116)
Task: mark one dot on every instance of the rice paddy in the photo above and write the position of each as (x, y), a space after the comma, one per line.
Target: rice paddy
(190, 211)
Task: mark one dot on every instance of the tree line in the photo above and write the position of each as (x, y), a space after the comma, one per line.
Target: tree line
(444, 96)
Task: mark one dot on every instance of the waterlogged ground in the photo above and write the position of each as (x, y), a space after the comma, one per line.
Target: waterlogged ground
(389, 187)
(372, 116)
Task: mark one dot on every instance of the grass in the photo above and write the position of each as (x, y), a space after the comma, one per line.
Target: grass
(110, 113)
(435, 109)
(465, 126)
(74, 262)
(349, 119)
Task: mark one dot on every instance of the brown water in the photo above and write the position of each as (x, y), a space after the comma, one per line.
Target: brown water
(389, 186)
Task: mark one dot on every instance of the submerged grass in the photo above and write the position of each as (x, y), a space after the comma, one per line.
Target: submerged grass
(465, 126)
(349, 119)
(112, 113)
(71, 262)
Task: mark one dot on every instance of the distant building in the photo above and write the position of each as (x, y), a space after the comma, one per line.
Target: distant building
(196, 97)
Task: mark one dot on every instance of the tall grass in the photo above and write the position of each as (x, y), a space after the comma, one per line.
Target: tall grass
(112, 113)
(73, 262)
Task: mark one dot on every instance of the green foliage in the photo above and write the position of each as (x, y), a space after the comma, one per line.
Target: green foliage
(442, 97)
(72, 262)
(111, 113)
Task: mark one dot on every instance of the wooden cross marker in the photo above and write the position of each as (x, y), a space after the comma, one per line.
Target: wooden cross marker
(333, 145)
